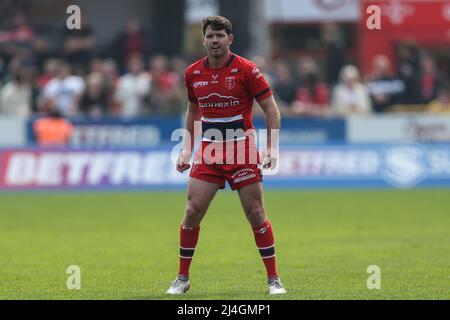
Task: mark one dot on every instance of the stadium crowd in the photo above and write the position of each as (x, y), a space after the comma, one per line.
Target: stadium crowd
(81, 78)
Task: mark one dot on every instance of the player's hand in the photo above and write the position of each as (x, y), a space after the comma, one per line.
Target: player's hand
(183, 161)
(269, 162)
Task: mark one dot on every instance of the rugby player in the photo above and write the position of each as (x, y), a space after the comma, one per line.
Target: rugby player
(221, 89)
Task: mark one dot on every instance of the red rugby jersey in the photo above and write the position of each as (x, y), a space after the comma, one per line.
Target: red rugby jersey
(225, 95)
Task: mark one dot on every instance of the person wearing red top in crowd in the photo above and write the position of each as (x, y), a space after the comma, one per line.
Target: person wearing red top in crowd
(50, 71)
(131, 42)
(164, 82)
(312, 97)
(221, 88)
(22, 33)
(431, 82)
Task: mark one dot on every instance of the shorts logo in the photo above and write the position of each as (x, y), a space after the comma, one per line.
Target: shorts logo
(242, 175)
(229, 82)
(240, 179)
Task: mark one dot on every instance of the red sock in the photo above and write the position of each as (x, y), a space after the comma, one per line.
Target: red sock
(188, 242)
(266, 244)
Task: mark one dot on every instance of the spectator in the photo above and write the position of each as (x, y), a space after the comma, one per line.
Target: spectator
(350, 96)
(176, 99)
(2, 71)
(131, 42)
(95, 100)
(22, 33)
(164, 82)
(431, 82)
(16, 96)
(312, 95)
(52, 130)
(63, 93)
(133, 88)
(384, 87)
(408, 70)
(284, 87)
(19, 38)
(110, 73)
(111, 78)
(96, 65)
(335, 52)
(179, 66)
(50, 72)
(79, 46)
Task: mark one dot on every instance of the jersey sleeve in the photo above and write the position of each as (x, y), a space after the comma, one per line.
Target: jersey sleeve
(190, 91)
(256, 83)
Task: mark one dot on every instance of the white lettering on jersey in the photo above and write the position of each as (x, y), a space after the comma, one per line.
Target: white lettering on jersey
(257, 73)
(200, 84)
(220, 101)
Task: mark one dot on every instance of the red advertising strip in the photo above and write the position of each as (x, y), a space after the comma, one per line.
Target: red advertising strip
(35, 169)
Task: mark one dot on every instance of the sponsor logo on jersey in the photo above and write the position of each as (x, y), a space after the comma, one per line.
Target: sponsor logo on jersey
(196, 72)
(230, 82)
(200, 84)
(216, 100)
(257, 73)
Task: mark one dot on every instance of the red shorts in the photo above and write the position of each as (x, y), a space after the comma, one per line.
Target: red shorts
(239, 172)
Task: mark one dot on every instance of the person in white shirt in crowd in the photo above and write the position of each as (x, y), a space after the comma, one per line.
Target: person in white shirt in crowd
(133, 88)
(63, 93)
(350, 96)
(16, 95)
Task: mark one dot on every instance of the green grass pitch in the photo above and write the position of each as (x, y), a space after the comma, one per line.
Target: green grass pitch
(126, 245)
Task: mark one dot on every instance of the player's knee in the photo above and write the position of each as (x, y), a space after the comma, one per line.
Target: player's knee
(256, 212)
(193, 211)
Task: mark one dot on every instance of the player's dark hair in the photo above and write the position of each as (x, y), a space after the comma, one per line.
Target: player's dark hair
(217, 23)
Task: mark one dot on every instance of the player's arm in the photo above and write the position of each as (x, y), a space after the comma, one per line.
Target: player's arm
(273, 123)
(192, 115)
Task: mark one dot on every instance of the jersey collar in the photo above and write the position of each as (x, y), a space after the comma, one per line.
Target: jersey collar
(229, 62)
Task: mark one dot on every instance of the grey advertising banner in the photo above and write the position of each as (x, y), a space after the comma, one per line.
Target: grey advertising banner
(405, 127)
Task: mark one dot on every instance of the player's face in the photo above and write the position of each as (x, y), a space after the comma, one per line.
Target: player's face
(217, 42)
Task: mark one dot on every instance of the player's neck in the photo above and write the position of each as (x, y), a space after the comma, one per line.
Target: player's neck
(217, 63)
